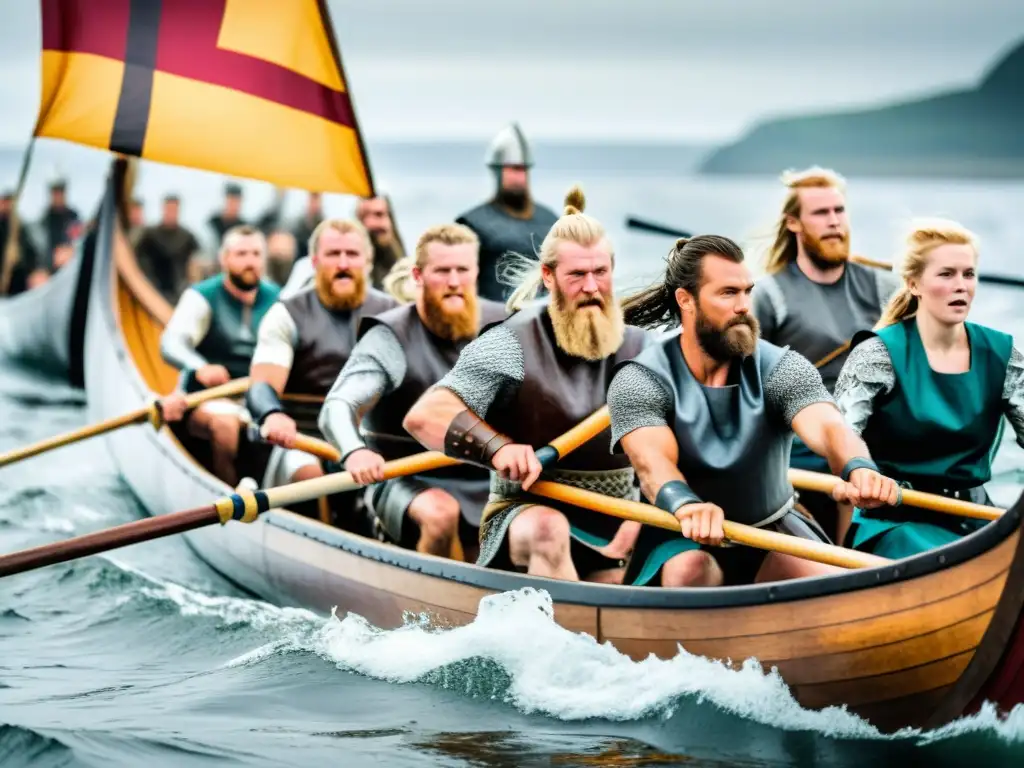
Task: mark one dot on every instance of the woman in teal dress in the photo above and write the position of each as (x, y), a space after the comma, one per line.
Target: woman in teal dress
(927, 391)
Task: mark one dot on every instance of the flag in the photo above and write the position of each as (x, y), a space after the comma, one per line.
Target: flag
(247, 88)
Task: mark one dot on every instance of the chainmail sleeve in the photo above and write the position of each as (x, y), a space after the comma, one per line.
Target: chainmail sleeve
(793, 384)
(636, 399)
(489, 368)
(866, 374)
(1013, 394)
(375, 368)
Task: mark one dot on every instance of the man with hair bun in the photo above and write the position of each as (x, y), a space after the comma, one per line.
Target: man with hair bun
(813, 298)
(528, 380)
(400, 354)
(706, 414)
(304, 341)
(210, 338)
(928, 390)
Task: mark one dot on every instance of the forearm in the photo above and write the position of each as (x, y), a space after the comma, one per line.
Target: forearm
(266, 385)
(654, 471)
(351, 398)
(428, 420)
(176, 349)
(841, 445)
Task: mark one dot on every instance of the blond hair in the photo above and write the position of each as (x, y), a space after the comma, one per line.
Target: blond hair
(237, 232)
(344, 227)
(924, 237)
(445, 234)
(783, 249)
(574, 226)
(399, 281)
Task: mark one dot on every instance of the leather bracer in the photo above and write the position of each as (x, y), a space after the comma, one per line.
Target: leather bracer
(470, 439)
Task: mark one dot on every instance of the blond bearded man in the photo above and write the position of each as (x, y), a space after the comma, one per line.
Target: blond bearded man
(527, 381)
(305, 340)
(813, 299)
(400, 354)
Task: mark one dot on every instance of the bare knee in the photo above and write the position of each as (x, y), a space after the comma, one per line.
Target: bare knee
(307, 472)
(540, 531)
(695, 568)
(436, 512)
(224, 432)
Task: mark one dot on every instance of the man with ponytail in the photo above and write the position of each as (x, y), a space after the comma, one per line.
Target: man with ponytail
(528, 380)
(813, 298)
(928, 391)
(706, 415)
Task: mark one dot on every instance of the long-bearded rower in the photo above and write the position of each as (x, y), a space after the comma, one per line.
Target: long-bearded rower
(707, 416)
(813, 298)
(305, 340)
(210, 338)
(400, 354)
(927, 390)
(528, 380)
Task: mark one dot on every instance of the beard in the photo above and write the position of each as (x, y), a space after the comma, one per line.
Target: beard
(827, 252)
(337, 298)
(737, 339)
(514, 199)
(246, 280)
(582, 332)
(448, 324)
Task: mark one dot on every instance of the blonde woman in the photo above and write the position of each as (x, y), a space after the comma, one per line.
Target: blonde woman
(927, 391)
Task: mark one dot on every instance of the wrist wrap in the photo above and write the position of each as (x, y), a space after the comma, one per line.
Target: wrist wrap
(675, 494)
(470, 439)
(858, 462)
(261, 400)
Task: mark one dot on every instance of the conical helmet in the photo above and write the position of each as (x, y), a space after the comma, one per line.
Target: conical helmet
(509, 147)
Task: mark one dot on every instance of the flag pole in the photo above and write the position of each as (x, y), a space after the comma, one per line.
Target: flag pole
(325, 15)
(11, 249)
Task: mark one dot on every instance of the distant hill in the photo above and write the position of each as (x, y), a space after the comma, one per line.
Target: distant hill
(971, 133)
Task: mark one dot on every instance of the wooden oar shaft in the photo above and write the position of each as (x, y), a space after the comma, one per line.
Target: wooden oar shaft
(319, 448)
(110, 538)
(817, 481)
(137, 416)
(594, 424)
(735, 532)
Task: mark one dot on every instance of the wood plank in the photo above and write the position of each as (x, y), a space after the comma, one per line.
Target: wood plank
(885, 659)
(876, 631)
(411, 590)
(837, 611)
(870, 690)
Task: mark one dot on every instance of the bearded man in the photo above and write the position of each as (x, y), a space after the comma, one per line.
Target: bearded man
(400, 354)
(511, 222)
(707, 415)
(528, 380)
(813, 299)
(210, 338)
(305, 340)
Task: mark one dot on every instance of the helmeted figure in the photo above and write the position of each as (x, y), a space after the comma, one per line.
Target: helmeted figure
(511, 221)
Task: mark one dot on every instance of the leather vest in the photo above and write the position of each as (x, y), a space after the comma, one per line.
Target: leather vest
(325, 339)
(427, 358)
(732, 451)
(499, 233)
(231, 338)
(559, 391)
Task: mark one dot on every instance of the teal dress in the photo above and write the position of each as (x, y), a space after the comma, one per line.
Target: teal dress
(933, 432)
(231, 338)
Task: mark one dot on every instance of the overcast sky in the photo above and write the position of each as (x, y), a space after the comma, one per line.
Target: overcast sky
(686, 70)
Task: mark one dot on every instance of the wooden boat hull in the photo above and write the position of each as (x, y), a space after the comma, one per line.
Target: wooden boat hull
(918, 643)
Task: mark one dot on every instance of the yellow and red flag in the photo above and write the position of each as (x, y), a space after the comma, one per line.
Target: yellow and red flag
(247, 88)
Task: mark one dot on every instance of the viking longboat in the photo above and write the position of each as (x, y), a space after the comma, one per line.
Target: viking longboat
(917, 643)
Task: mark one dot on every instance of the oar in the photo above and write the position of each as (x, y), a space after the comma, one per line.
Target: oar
(246, 506)
(150, 413)
(818, 481)
(659, 229)
(734, 532)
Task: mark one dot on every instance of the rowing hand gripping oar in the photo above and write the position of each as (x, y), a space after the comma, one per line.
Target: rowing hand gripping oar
(734, 532)
(150, 413)
(246, 506)
(818, 481)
